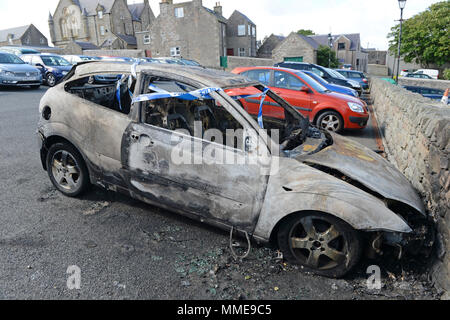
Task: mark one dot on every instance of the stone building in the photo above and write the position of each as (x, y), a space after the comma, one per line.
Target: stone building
(304, 48)
(270, 43)
(376, 56)
(296, 47)
(23, 36)
(109, 23)
(241, 35)
(192, 31)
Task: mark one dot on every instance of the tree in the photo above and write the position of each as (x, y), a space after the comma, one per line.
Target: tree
(425, 37)
(324, 54)
(306, 32)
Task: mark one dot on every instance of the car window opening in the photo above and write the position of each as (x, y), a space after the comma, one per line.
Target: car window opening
(102, 90)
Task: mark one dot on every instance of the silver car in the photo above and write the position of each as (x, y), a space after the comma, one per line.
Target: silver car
(177, 137)
(15, 72)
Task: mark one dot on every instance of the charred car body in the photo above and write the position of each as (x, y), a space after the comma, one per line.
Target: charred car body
(327, 198)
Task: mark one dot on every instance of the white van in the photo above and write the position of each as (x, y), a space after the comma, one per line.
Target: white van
(431, 72)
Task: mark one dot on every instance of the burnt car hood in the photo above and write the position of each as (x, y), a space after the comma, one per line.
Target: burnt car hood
(368, 168)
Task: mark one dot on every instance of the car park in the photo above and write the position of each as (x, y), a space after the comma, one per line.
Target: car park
(332, 87)
(326, 109)
(326, 73)
(435, 94)
(356, 76)
(322, 197)
(15, 72)
(52, 67)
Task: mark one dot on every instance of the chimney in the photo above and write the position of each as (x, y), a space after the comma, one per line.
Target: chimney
(218, 8)
(198, 3)
(164, 6)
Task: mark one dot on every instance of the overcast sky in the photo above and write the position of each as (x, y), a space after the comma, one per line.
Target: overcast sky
(372, 18)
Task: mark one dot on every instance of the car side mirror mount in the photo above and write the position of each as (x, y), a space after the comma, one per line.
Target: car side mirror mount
(304, 89)
(39, 65)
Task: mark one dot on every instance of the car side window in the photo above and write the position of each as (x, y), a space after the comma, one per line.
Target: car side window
(262, 76)
(285, 80)
(102, 89)
(205, 115)
(318, 72)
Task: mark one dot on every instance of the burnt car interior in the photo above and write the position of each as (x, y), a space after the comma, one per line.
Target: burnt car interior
(175, 114)
(103, 94)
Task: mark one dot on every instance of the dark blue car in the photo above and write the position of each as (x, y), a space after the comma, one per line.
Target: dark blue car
(53, 67)
(356, 76)
(332, 87)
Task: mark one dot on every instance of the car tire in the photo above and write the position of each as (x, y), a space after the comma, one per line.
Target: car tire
(67, 170)
(320, 243)
(51, 80)
(331, 121)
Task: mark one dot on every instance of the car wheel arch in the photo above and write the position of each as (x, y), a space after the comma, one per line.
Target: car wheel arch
(54, 139)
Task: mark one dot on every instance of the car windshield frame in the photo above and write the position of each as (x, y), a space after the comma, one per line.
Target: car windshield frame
(13, 59)
(60, 61)
(336, 74)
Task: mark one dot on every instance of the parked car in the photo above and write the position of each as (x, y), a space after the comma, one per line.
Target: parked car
(435, 94)
(328, 110)
(358, 76)
(117, 59)
(170, 60)
(430, 72)
(149, 60)
(18, 51)
(318, 197)
(15, 72)
(418, 76)
(73, 59)
(332, 87)
(347, 67)
(52, 67)
(326, 73)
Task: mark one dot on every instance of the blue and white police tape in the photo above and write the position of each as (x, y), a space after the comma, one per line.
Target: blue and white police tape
(260, 113)
(201, 94)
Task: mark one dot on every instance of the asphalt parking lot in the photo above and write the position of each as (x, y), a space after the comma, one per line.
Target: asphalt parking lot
(129, 250)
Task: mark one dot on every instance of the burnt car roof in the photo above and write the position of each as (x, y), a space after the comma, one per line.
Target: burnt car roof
(207, 77)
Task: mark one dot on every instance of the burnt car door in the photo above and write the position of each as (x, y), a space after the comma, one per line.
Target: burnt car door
(177, 157)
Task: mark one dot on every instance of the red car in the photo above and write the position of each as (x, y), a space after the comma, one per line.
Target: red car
(328, 110)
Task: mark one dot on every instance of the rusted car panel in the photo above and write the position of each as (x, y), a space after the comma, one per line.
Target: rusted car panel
(368, 168)
(300, 188)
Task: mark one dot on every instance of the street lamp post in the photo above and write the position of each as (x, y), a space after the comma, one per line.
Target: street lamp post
(330, 42)
(401, 4)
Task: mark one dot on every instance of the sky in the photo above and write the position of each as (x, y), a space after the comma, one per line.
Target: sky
(371, 18)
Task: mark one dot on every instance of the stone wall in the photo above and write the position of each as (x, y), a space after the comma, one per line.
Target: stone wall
(236, 62)
(377, 70)
(416, 134)
(115, 53)
(435, 84)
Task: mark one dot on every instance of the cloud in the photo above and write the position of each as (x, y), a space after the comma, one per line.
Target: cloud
(373, 19)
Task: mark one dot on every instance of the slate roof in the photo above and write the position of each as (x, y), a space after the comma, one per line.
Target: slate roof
(86, 45)
(131, 40)
(17, 32)
(219, 17)
(247, 18)
(355, 39)
(136, 10)
(311, 42)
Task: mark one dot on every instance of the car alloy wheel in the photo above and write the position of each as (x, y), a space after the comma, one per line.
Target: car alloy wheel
(330, 121)
(51, 80)
(321, 243)
(67, 170)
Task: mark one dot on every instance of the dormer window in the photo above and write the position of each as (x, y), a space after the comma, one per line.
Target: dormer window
(341, 46)
(100, 14)
(179, 12)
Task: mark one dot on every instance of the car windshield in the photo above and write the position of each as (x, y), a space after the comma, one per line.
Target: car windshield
(7, 58)
(320, 80)
(311, 82)
(336, 74)
(191, 63)
(55, 61)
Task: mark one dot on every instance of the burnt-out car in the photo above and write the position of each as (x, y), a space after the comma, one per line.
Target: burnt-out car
(321, 197)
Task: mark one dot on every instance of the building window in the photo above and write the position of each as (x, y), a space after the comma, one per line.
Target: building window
(241, 30)
(179, 12)
(241, 52)
(341, 46)
(100, 14)
(175, 52)
(147, 39)
(254, 31)
(102, 30)
(42, 41)
(249, 30)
